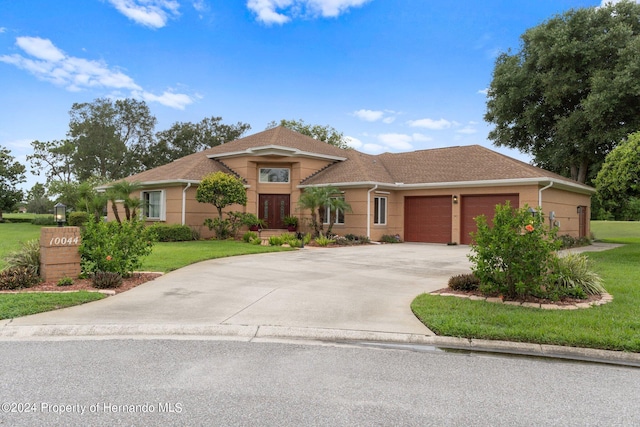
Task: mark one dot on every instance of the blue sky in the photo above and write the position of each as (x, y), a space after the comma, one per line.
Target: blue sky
(391, 75)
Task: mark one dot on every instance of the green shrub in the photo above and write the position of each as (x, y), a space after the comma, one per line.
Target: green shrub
(249, 236)
(65, 281)
(17, 278)
(18, 220)
(172, 232)
(276, 240)
(27, 256)
(114, 247)
(574, 272)
(324, 241)
(43, 220)
(513, 257)
(256, 241)
(78, 219)
(387, 238)
(295, 243)
(464, 282)
(106, 280)
(567, 241)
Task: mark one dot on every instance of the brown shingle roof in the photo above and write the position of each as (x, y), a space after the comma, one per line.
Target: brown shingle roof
(454, 164)
(442, 165)
(279, 136)
(189, 168)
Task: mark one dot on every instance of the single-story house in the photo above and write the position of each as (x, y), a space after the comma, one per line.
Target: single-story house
(422, 196)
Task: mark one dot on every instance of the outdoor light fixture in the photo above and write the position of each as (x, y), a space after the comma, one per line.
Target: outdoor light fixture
(532, 211)
(60, 213)
(455, 200)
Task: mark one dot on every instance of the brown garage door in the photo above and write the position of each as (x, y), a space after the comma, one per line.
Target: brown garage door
(427, 219)
(485, 204)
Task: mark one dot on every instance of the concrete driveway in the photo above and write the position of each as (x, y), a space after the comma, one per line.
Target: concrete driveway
(367, 288)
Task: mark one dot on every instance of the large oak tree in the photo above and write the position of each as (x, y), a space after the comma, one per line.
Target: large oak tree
(110, 137)
(572, 91)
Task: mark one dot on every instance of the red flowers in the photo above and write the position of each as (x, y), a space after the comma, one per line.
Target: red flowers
(109, 258)
(529, 228)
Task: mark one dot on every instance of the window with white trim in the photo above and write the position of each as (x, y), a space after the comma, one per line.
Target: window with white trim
(380, 210)
(153, 205)
(338, 214)
(274, 175)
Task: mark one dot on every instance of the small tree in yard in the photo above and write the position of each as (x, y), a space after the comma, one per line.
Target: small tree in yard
(516, 256)
(221, 190)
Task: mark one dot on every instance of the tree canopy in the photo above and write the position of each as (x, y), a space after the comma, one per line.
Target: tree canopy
(184, 138)
(221, 190)
(572, 91)
(325, 133)
(618, 182)
(11, 174)
(110, 137)
(54, 158)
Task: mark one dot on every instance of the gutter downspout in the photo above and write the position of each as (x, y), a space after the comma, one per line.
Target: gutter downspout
(540, 193)
(184, 203)
(369, 210)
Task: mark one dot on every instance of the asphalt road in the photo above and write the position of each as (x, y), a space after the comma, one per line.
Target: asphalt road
(229, 383)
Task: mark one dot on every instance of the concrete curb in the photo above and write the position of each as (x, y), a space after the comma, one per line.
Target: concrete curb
(249, 333)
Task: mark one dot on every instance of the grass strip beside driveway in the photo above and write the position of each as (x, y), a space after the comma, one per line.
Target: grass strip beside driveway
(24, 304)
(612, 326)
(169, 256)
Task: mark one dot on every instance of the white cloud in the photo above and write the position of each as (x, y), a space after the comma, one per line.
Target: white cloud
(387, 116)
(431, 124)
(467, 130)
(281, 11)
(40, 48)
(150, 13)
(419, 137)
(75, 74)
(372, 148)
(484, 91)
(397, 141)
(2, 30)
(369, 115)
(605, 2)
(200, 6)
(353, 142)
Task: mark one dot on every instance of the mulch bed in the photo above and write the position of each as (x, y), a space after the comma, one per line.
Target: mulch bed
(86, 285)
(564, 301)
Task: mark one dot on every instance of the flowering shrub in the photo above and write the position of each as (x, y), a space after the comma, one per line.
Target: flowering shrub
(115, 247)
(516, 256)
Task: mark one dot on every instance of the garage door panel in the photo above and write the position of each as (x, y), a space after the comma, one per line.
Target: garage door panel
(427, 219)
(483, 204)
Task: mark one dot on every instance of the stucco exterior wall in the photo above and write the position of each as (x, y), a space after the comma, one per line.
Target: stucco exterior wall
(565, 204)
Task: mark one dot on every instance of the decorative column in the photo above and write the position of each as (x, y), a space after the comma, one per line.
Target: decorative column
(59, 255)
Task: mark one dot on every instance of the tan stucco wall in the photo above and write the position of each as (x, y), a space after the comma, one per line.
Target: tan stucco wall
(565, 204)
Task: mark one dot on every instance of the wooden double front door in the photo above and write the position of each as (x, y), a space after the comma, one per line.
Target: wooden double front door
(273, 208)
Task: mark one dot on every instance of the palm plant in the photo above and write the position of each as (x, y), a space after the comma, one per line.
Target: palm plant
(122, 190)
(317, 199)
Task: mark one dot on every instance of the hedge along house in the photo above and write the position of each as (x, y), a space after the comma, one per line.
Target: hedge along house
(423, 196)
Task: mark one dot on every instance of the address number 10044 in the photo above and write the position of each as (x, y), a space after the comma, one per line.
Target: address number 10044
(64, 241)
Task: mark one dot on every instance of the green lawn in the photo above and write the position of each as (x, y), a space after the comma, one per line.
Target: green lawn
(11, 235)
(17, 305)
(613, 326)
(618, 231)
(170, 256)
